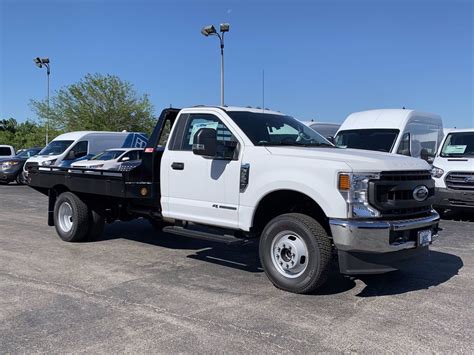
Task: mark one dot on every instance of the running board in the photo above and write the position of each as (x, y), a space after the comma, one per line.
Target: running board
(221, 238)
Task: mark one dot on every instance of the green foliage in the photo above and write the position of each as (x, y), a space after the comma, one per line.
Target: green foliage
(23, 135)
(100, 103)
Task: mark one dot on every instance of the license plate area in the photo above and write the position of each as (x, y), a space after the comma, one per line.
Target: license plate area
(425, 237)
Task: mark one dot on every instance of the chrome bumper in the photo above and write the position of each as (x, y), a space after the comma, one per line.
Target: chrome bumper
(374, 236)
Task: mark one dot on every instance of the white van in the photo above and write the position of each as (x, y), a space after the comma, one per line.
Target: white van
(453, 171)
(68, 148)
(398, 131)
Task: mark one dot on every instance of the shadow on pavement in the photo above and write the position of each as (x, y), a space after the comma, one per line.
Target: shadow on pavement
(460, 216)
(428, 271)
(432, 270)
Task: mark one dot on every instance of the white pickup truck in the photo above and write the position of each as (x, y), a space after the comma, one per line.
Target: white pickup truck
(230, 173)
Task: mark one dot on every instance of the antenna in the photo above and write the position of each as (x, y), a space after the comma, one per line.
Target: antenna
(263, 90)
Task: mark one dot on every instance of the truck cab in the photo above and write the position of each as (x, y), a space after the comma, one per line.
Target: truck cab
(233, 174)
(397, 131)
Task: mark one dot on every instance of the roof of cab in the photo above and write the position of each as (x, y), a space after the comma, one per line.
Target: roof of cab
(458, 130)
(384, 118)
(235, 108)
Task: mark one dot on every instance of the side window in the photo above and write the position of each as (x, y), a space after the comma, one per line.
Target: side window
(404, 147)
(194, 123)
(80, 149)
(165, 134)
(134, 155)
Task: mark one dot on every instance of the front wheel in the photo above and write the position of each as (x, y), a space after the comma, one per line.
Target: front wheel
(295, 252)
(71, 218)
(21, 179)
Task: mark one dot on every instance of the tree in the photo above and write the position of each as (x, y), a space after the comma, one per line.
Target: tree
(23, 135)
(97, 103)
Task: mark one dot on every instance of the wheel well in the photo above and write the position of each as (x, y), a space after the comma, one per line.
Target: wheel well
(287, 201)
(59, 189)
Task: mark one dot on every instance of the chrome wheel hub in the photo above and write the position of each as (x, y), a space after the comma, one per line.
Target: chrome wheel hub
(65, 217)
(289, 254)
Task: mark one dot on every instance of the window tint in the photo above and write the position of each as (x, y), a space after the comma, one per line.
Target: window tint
(404, 147)
(380, 140)
(80, 149)
(423, 136)
(460, 144)
(273, 130)
(56, 148)
(198, 121)
(165, 134)
(5, 151)
(108, 155)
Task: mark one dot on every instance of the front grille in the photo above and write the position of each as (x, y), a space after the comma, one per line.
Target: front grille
(405, 175)
(460, 180)
(392, 194)
(29, 165)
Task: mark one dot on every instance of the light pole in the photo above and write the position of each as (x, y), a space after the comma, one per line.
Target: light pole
(40, 62)
(211, 31)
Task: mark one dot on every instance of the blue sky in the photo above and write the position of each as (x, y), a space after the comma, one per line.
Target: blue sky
(322, 59)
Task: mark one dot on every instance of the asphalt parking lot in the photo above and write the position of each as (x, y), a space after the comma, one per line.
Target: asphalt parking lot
(136, 290)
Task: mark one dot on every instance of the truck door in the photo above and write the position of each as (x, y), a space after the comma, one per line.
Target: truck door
(195, 188)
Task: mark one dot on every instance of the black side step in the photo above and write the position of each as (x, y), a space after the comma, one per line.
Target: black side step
(213, 237)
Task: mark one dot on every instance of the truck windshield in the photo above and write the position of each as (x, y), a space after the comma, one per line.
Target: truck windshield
(56, 148)
(108, 155)
(459, 144)
(381, 140)
(267, 129)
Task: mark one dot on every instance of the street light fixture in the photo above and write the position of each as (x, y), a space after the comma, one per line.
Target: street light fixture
(40, 63)
(210, 30)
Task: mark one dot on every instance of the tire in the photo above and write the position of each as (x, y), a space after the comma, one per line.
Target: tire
(157, 225)
(97, 224)
(20, 179)
(284, 242)
(71, 218)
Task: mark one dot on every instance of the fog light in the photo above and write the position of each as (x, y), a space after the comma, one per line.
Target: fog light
(143, 191)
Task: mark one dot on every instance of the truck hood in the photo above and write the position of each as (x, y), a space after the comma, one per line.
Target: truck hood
(40, 158)
(454, 164)
(358, 160)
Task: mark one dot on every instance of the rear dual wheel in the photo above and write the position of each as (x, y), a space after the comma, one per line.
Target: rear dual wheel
(74, 220)
(295, 252)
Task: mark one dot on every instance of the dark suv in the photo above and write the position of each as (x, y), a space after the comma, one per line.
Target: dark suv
(11, 169)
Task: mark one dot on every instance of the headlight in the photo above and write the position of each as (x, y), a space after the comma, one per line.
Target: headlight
(354, 187)
(8, 164)
(96, 166)
(437, 172)
(48, 162)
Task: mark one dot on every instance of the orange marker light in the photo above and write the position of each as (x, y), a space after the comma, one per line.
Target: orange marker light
(344, 182)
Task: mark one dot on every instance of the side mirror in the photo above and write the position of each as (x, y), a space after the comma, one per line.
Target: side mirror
(71, 155)
(331, 139)
(205, 142)
(425, 155)
(125, 158)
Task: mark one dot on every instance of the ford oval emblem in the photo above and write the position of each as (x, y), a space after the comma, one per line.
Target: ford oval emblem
(469, 179)
(420, 193)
